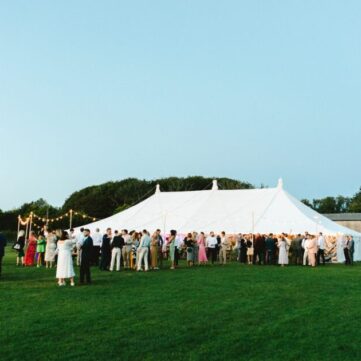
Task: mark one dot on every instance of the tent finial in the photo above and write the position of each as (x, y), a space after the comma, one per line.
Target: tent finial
(280, 183)
(157, 189)
(215, 185)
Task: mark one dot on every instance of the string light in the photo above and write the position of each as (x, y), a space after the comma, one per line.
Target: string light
(70, 213)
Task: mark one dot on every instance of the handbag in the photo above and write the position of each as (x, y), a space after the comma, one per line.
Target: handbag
(16, 246)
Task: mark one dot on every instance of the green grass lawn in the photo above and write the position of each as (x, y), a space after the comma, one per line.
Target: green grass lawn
(205, 313)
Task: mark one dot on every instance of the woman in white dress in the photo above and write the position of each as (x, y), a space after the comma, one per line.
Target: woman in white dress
(50, 249)
(65, 267)
(283, 255)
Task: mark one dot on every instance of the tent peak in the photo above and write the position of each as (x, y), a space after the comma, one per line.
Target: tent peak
(215, 185)
(280, 184)
(157, 189)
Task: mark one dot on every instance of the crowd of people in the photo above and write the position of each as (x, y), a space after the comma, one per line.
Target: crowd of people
(143, 251)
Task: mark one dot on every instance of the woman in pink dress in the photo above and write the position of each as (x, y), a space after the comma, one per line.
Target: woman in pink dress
(30, 252)
(202, 255)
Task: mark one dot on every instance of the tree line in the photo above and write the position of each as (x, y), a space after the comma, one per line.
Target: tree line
(104, 200)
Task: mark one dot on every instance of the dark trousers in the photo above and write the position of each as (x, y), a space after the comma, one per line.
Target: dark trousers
(258, 253)
(347, 256)
(105, 260)
(160, 257)
(243, 255)
(213, 252)
(321, 254)
(96, 255)
(176, 256)
(351, 256)
(85, 271)
(269, 256)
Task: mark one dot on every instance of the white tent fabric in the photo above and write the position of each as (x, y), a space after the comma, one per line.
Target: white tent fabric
(233, 211)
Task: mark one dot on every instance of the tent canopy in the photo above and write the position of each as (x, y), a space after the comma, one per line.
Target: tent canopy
(233, 211)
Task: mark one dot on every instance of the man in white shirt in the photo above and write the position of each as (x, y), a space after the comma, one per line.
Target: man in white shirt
(321, 248)
(143, 252)
(211, 243)
(305, 243)
(97, 243)
(178, 247)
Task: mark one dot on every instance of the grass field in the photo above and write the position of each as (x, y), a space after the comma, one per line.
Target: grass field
(228, 312)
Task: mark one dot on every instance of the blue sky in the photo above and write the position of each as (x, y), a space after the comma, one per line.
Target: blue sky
(93, 91)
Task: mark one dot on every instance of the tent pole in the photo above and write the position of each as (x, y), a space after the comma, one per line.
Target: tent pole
(31, 222)
(18, 226)
(71, 219)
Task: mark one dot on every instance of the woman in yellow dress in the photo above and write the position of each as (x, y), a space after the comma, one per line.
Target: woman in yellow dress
(154, 251)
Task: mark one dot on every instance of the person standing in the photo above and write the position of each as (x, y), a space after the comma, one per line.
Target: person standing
(195, 247)
(305, 243)
(160, 248)
(115, 245)
(127, 248)
(312, 250)
(31, 250)
(135, 244)
(154, 251)
(259, 249)
(177, 250)
(172, 248)
(223, 249)
(65, 269)
(212, 243)
(40, 250)
(250, 249)
(189, 243)
(351, 248)
(19, 248)
(242, 250)
(86, 247)
(50, 249)
(97, 242)
(143, 251)
(321, 249)
(296, 250)
(283, 254)
(270, 248)
(106, 250)
(346, 250)
(202, 254)
(2, 250)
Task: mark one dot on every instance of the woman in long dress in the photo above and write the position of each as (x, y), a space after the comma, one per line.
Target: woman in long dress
(31, 250)
(189, 242)
(65, 269)
(171, 243)
(283, 255)
(195, 248)
(50, 250)
(154, 252)
(202, 254)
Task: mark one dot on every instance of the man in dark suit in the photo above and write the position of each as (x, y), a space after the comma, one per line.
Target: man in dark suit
(86, 247)
(106, 250)
(259, 246)
(270, 249)
(2, 250)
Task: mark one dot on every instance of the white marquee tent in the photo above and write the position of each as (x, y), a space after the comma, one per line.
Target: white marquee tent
(233, 211)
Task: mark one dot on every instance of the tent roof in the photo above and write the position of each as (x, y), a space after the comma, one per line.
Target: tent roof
(233, 211)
